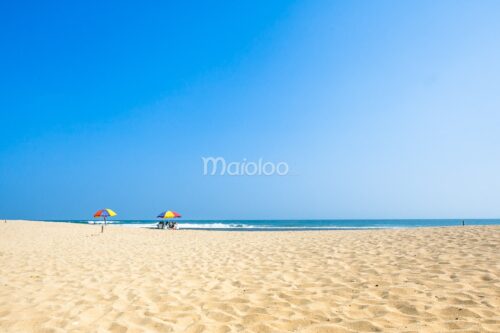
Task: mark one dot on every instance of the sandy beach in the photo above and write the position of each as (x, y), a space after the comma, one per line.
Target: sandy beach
(58, 277)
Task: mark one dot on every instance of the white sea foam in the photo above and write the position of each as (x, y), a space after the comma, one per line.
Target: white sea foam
(216, 226)
(247, 226)
(102, 222)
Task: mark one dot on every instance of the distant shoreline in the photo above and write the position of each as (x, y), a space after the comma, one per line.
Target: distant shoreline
(288, 225)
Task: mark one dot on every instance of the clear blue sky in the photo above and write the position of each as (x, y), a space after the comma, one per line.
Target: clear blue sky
(382, 109)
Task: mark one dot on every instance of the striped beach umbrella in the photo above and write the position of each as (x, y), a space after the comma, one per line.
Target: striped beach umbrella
(169, 215)
(104, 213)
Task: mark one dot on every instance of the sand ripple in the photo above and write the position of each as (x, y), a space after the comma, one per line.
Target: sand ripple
(70, 278)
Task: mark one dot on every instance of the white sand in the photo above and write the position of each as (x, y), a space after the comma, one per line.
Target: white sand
(69, 278)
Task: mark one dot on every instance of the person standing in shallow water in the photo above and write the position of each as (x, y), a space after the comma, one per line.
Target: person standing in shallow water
(463, 222)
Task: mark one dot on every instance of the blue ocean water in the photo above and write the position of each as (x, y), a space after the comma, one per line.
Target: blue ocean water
(276, 225)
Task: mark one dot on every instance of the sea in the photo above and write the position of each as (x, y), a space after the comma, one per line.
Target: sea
(290, 225)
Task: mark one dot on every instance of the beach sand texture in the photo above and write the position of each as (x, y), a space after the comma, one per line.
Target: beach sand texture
(59, 277)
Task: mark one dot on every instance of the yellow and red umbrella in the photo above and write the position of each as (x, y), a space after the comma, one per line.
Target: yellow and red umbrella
(106, 212)
(169, 215)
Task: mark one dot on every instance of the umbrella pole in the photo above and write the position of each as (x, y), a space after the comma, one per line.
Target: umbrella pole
(102, 226)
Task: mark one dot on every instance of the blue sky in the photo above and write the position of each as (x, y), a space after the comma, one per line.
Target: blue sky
(382, 109)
